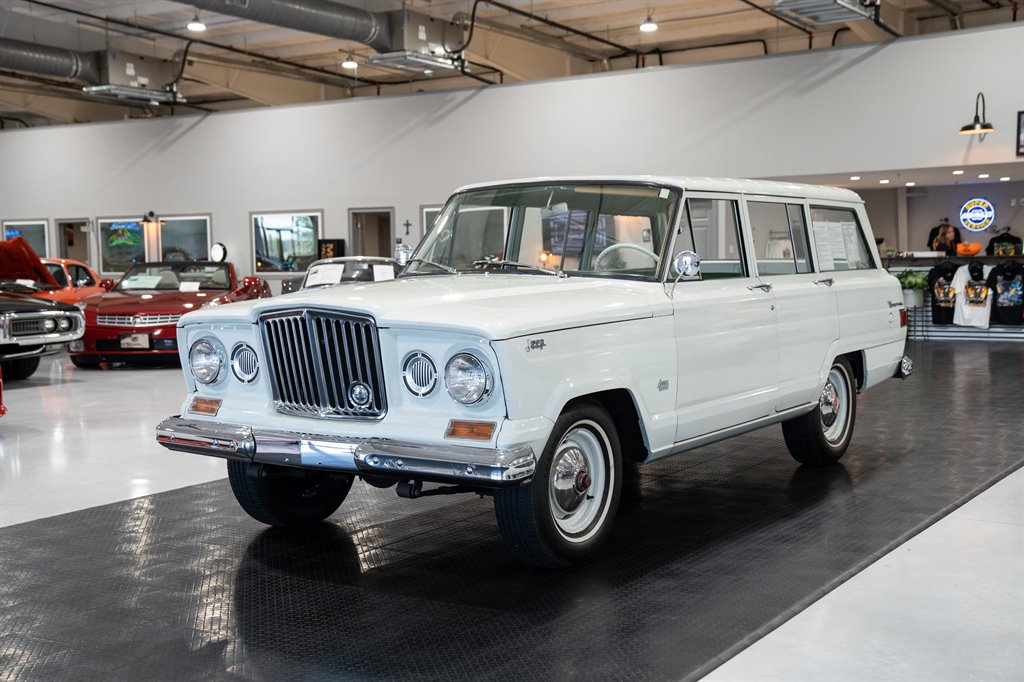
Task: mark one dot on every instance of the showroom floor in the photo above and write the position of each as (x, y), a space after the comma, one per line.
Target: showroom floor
(153, 572)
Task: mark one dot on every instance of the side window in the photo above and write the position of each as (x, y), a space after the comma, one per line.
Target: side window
(81, 276)
(716, 238)
(58, 273)
(780, 238)
(838, 240)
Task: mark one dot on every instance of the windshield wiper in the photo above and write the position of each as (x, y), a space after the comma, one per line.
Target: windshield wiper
(556, 273)
(449, 270)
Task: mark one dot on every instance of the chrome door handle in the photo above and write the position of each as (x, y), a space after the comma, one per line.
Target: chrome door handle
(828, 281)
(766, 287)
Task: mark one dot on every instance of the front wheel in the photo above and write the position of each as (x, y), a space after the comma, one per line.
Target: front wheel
(565, 513)
(821, 436)
(285, 497)
(20, 369)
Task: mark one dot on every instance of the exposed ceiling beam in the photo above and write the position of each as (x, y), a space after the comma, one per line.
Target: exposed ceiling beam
(264, 88)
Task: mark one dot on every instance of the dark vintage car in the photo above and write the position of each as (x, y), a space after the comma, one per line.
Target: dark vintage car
(136, 318)
(330, 271)
(31, 328)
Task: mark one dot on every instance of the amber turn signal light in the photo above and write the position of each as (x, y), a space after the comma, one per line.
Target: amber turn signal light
(208, 406)
(470, 430)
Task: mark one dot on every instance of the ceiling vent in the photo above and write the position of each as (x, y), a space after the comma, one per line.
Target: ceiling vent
(815, 13)
(423, 42)
(133, 78)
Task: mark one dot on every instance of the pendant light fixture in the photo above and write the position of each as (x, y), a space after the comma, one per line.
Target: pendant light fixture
(979, 126)
(649, 26)
(196, 25)
(350, 63)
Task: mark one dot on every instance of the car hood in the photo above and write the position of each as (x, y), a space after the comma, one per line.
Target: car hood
(19, 261)
(152, 302)
(496, 306)
(16, 303)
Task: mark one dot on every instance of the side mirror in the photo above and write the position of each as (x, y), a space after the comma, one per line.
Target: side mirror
(107, 284)
(686, 264)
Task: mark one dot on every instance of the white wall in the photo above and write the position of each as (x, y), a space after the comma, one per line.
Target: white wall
(884, 106)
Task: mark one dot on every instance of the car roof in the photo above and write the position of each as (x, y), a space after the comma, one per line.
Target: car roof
(694, 184)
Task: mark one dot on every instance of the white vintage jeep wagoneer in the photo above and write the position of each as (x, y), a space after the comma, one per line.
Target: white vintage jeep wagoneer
(544, 333)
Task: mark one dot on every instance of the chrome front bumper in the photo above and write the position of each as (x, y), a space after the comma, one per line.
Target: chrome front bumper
(484, 467)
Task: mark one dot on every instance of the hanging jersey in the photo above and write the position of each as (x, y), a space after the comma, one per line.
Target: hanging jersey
(1007, 285)
(940, 284)
(973, 300)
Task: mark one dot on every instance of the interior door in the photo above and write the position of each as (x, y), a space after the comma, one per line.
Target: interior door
(726, 337)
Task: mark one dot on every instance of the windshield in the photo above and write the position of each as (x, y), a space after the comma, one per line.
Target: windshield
(576, 229)
(176, 277)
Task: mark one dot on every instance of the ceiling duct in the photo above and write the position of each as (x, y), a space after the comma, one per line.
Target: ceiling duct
(109, 75)
(43, 60)
(405, 41)
(320, 17)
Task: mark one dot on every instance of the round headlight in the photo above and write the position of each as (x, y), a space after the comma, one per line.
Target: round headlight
(420, 374)
(64, 323)
(49, 325)
(205, 360)
(467, 378)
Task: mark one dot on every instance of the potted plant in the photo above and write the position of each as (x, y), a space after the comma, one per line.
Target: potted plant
(913, 283)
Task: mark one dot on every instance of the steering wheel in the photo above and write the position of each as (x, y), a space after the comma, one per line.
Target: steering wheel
(625, 245)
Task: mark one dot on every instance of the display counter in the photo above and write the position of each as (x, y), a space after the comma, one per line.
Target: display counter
(920, 320)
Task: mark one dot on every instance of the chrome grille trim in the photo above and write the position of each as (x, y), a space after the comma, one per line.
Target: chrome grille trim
(314, 356)
(129, 320)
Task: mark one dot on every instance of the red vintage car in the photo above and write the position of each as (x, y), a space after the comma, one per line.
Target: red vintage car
(55, 279)
(136, 319)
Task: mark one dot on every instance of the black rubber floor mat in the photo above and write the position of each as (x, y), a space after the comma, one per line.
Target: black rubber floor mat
(711, 549)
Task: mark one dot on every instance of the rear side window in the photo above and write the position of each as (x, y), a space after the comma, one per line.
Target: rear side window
(838, 240)
(780, 238)
(716, 239)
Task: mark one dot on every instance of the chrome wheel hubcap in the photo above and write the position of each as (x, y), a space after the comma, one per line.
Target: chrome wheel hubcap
(579, 481)
(571, 479)
(834, 405)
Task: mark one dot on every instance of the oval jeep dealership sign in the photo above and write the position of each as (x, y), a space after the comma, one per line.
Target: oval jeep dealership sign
(977, 214)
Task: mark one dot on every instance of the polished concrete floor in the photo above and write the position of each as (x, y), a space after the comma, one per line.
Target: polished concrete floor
(683, 587)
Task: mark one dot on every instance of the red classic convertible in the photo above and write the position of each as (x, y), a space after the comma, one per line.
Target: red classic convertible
(3, 410)
(137, 317)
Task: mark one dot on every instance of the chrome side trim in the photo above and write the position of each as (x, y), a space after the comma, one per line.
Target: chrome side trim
(484, 467)
(714, 437)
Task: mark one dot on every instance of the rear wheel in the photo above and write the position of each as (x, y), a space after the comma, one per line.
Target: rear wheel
(20, 369)
(566, 512)
(285, 497)
(821, 436)
(85, 361)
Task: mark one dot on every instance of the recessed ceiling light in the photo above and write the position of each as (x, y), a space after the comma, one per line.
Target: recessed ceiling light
(911, 184)
(1005, 178)
(958, 172)
(983, 176)
(855, 177)
(883, 182)
(648, 26)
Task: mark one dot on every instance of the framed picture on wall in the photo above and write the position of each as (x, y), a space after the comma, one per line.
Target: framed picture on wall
(285, 241)
(122, 243)
(35, 232)
(1020, 133)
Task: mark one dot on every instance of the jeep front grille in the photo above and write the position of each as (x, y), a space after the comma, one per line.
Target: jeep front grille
(324, 364)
